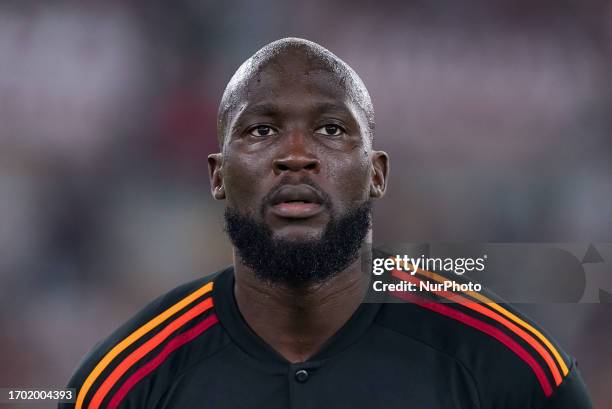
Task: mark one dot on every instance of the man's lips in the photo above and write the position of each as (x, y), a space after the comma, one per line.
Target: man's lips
(296, 202)
(296, 210)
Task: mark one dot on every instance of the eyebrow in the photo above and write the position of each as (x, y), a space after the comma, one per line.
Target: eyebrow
(272, 109)
(266, 109)
(332, 107)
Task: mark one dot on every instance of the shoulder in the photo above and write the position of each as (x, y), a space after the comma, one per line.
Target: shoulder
(512, 360)
(138, 357)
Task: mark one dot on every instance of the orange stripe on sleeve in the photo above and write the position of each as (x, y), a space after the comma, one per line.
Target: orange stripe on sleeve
(145, 348)
(494, 316)
(492, 304)
(135, 336)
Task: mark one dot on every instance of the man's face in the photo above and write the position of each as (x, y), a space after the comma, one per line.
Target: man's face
(297, 155)
(296, 152)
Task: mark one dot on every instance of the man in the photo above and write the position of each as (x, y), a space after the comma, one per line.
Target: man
(286, 325)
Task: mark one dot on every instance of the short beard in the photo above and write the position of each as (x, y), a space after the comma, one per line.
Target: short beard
(299, 263)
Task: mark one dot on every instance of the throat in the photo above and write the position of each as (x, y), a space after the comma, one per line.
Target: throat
(296, 323)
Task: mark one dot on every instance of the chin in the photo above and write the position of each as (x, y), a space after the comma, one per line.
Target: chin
(298, 235)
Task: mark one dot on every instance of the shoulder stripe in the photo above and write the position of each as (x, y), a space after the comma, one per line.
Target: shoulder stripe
(135, 336)
(494, 316)
(492, 304)
(150, 366)
(145, 348)
(486, 328)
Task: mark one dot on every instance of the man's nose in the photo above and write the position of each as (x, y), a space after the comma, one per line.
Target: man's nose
(296, 155)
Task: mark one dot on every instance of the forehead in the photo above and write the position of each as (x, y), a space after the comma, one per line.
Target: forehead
(294, 90)
(294, 81)
(297, 77)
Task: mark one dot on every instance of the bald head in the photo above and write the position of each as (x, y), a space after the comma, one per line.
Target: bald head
(292, 57)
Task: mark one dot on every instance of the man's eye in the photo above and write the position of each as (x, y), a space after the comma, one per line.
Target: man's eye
(262, 130)
(330, 130)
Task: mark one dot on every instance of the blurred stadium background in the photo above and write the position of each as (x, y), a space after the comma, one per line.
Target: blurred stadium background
(497, 115)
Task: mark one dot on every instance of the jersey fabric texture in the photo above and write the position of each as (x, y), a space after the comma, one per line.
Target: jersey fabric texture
(191, 349)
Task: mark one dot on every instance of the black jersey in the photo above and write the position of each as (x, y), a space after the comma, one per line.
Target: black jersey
(191, 349)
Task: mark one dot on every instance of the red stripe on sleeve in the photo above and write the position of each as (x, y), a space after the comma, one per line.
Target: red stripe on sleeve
(170, 347)
(487, 329)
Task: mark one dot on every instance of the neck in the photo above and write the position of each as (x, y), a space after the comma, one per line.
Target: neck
(296, 322)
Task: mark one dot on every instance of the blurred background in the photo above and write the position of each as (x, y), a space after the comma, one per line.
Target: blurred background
(497, 115)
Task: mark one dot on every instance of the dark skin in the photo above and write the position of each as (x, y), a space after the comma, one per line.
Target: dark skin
(295, 120)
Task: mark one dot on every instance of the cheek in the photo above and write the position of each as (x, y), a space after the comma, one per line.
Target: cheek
(242, 180)
(351, 179)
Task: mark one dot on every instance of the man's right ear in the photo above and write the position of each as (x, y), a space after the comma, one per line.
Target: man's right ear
(215, 161)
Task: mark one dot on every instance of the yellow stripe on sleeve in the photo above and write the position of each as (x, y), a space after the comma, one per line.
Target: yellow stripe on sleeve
(508, 314)
(134, 336)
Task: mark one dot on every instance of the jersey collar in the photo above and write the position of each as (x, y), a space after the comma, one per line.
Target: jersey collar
(240, 332)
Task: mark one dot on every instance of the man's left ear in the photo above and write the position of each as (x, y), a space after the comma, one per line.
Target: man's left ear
(380, 170)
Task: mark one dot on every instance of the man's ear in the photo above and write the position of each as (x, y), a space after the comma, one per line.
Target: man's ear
(380, 171)
(215, 162)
